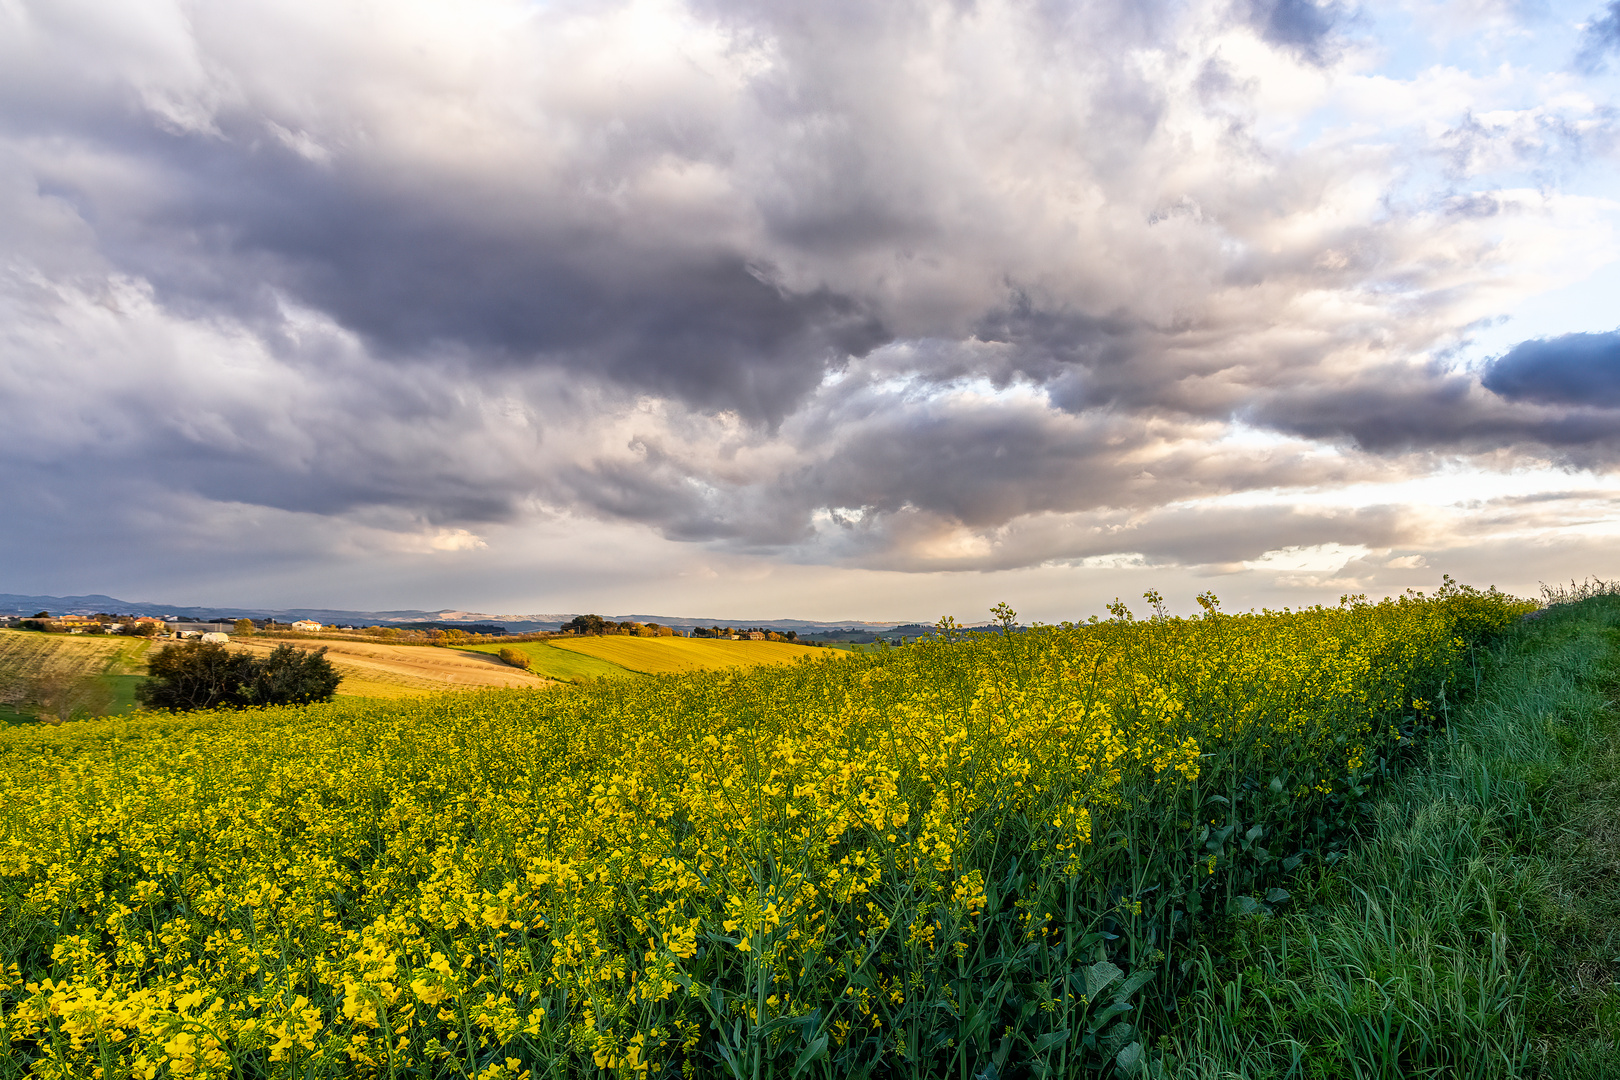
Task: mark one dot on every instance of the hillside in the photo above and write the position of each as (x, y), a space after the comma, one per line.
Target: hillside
(391, 671)
(565, 664)
(25, 604)
(593, 657)
(117, 662)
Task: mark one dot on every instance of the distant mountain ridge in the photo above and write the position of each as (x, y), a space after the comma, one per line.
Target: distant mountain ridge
(19, 604)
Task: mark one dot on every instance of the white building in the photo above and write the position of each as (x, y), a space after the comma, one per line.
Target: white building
(306, 624)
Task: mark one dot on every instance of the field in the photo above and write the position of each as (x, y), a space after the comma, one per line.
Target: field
(560, 664)
(1000, 856)
(392, 671)
(116, 662)
(568, 658)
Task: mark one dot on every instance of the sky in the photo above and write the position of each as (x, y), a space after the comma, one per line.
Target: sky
(830, 310)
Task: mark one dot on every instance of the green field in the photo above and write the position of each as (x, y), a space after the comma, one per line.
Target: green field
(595, 657)
(554, 663)
(118, 663)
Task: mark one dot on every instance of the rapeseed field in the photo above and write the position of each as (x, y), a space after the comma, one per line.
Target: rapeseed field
(980, 855)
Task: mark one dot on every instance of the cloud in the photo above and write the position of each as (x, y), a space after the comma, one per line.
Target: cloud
(1600, 38)
(1573, 369)
(1304, 26)
(913, 286)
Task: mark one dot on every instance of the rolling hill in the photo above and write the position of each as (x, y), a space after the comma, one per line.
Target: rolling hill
(593, 657)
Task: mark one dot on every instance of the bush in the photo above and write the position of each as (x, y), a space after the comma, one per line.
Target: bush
(514, 658)
(206, 675)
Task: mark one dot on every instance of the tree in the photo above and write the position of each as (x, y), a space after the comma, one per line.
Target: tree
(243, 627)
(196, 675)
(585, 624)
(207, 675)
(292, 676)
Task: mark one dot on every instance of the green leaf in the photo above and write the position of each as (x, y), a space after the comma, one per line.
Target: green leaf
(1131, 1058)
(1099, 976)
(1051, 1039)
(1255, 832)
(1243, 905)
(1276, 896)
(1118, 1008)
(1138, 979)
(808, 1055)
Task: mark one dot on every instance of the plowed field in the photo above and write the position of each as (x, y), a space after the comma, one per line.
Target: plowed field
(375, 670)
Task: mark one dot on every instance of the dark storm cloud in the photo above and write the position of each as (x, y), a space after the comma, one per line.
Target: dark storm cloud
(1575, 369)
(414, 272)
(1399, 410)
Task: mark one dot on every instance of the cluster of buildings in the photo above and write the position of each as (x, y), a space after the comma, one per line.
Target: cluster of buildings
(143, 625)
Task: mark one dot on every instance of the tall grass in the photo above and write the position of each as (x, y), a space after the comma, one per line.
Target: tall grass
(1468, 935)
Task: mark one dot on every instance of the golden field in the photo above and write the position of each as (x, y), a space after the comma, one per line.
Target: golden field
(669, 655)
(391, 671)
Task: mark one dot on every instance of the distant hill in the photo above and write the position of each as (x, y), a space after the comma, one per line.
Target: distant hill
(19, 604)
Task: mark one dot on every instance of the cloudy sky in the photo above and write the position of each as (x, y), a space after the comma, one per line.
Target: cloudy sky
(829, 310)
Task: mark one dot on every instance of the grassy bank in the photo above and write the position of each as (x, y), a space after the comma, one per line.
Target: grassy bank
(1475, 932)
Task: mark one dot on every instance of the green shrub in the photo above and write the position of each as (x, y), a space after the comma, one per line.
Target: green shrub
(205, 675)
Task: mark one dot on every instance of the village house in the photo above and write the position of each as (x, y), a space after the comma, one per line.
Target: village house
(197, 629)
(306, 624)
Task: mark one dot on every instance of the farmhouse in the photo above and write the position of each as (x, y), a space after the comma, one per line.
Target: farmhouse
(306, 624)
(196, 629)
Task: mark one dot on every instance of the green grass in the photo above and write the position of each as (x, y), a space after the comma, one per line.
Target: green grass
(1476, 930)
(552, 662)
(117, 662)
